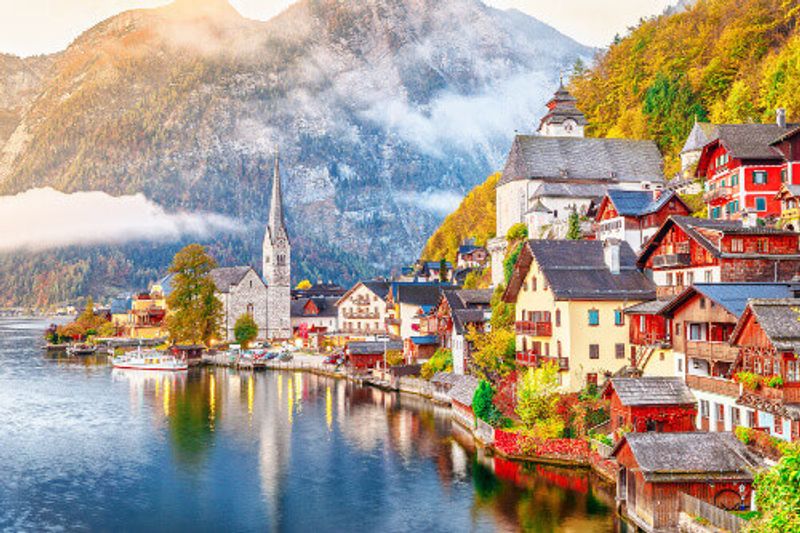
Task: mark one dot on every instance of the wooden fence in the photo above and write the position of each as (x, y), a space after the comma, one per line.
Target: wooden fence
(715, 516)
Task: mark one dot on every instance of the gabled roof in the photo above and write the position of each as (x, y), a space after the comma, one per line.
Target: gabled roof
(373, 347)
(750, 141)
(577, 158)
(732, 297)
(226, 277)
(788, 190)
(778, 318)
(695, 227)
(417, 293)
(378, 287)
(702, 133)
(569, 190)
(576, 270)
(672, 457)
(652, 307)
(425, 340)
(640, 203)
(325, 305)
(468, 249)
(467, 306)
(651, 391)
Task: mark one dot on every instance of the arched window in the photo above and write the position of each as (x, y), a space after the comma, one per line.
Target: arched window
(250, 308)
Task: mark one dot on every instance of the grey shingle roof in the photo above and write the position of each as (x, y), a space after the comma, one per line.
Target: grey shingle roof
(467, 306)
(373, 347)
(379, 287)
(417, 293)
(326, 306)
(464, 389)
(577, 270)
(652, 391)
(687, 456)
(652, 307)
(780, 320)
(226, 276)
(602, 160)
(569, 190)
(702, 133)
(751, 141)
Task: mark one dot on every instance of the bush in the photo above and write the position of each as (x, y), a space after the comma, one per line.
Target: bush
(778, 494)
(442, 361)
(517, 232)
(511, 261)
(394, 357)
(245, 330)
(775, 382)
(749, 380)
(484, 408)
(744, 434)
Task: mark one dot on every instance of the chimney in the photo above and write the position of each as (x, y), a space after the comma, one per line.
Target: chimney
(780, 117)
(611, 255)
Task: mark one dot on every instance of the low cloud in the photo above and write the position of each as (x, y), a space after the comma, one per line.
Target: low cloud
(45, 218)
(438, 202)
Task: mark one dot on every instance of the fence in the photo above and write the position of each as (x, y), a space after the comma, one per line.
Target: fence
(715, 516)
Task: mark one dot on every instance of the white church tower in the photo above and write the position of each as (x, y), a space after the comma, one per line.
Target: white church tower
(277, 266)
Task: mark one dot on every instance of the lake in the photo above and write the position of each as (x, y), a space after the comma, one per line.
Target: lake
(84, 447)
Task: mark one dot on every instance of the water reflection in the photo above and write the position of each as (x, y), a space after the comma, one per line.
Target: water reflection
(219, 449)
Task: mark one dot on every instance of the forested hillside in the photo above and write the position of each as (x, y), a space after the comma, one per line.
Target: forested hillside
(474, 218)
(720, 60)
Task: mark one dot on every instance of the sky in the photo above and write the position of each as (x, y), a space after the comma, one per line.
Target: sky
(29, 27)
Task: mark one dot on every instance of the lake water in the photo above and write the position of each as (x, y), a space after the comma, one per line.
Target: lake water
(85, 447)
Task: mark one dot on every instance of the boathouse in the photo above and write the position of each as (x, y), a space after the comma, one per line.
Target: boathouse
(362, 355)
(656, 468)
(461, 395)
(657, 404)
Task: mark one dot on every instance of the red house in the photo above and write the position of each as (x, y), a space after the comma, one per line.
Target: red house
(649, 330)
(656, 404)
(768, 336)
(686, 250)
(744, 168)
(634, 216)
(655, 469)
(461, 394)
(363, 355)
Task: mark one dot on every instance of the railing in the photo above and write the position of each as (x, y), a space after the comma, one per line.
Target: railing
(537, 329)
(361, 331)
(721, 386)
(718, 194)
(649, 338)
(671, 260)
(790, 394)
(720, 351)
(361, 314)
(533, 359)
(392, 321)
(361, 300)
(714, 515)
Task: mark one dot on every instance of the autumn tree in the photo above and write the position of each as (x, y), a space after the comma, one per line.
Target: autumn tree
(778, 494)
(195, 311)
(303, 285)
(537, 398)
(245, 330)
(87, 324)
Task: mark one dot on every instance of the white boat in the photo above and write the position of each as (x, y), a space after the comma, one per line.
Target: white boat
(149, 360)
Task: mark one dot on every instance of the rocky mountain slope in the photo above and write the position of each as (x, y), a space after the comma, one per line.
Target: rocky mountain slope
(21, 80)
(384, 111)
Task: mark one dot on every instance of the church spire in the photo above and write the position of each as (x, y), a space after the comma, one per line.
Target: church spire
(277, 227)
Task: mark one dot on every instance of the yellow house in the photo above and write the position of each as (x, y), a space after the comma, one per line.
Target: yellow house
(148, 311)
(570, 299)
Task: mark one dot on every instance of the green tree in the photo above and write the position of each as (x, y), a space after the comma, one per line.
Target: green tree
(778, 495)
(574, 228)
(443, 270)
(537, 398)
(441, 361)
(482, 401)
(245, 330)
(511, 261)
(195, 311)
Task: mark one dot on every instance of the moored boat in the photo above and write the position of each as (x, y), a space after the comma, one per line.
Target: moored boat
(81, 349)
(149, 360)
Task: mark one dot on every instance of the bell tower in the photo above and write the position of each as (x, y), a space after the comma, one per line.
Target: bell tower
(277, 265)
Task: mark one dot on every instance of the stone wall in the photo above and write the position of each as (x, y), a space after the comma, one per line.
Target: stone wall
(251, 291)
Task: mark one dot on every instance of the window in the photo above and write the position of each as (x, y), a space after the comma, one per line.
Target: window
(737, 245)
(594, 317)
(558, 348)
(761, 203)
(558, 318)
(533, 283)
(250, 309)
(619, 350)
(677, 329)
(735, 417)
(778, 425)
(594, 351)
(642, 324)
(679, 279)
(751, 419)
(715, 212)
(707, 276)
(783, 175)
(759, 177)
(697, 332)
(704, 408)
(669, 279)
(702, 303)
(720, 413)
(734, 180)
(619, 318)
(547, 349)
(690, 278)
(793, 370)
(591, 379)
(680, 366)
(762, 246)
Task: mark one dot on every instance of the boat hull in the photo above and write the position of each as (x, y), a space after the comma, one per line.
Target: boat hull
(179, 368)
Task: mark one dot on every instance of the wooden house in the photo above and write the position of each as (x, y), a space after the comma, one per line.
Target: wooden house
(789, 198)
(656, 468)
(461, 394)
(634, 216)
(456, 312)
(702, 319)
(363, 355)
(650, 336)
(687, 250)
(768, 337)
(661, 404)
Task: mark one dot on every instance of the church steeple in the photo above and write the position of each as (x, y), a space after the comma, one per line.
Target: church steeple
(563, 118)
(277, 264)
(276, 227)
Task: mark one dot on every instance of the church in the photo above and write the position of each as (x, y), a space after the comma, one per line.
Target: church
(266, 298)
(557, 171)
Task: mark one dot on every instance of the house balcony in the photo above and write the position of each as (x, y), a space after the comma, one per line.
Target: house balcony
(361, 331)
(536, 329)
(391, 321)
(650, 338)
(361, 300)
(722, 386)
(787, 394)
(672, 260)
(362, 314)
(532, 359)
(717, 351)
(718, 195)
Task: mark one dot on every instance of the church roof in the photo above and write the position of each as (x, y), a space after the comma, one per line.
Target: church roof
(562, 107)
(226, 277)
(604, 161)
(702, 133)
(276, 228)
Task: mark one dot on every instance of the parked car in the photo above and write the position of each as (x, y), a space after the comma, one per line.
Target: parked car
(285, 356)
(333, 359)
(271, 356)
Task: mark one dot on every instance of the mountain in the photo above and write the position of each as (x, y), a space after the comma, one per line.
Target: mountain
(21, 79)
(713, 60)
(385, 112)
(716, 60)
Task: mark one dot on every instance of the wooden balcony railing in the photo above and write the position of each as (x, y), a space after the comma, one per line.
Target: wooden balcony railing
(536, 329)
(721, 386)
(361, 314)
(718, 194)
(718, 351)
(531, 359)
(786, 394)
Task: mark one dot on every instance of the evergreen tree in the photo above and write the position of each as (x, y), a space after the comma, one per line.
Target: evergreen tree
(443, 270)
(195, 312)
(574, 230)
